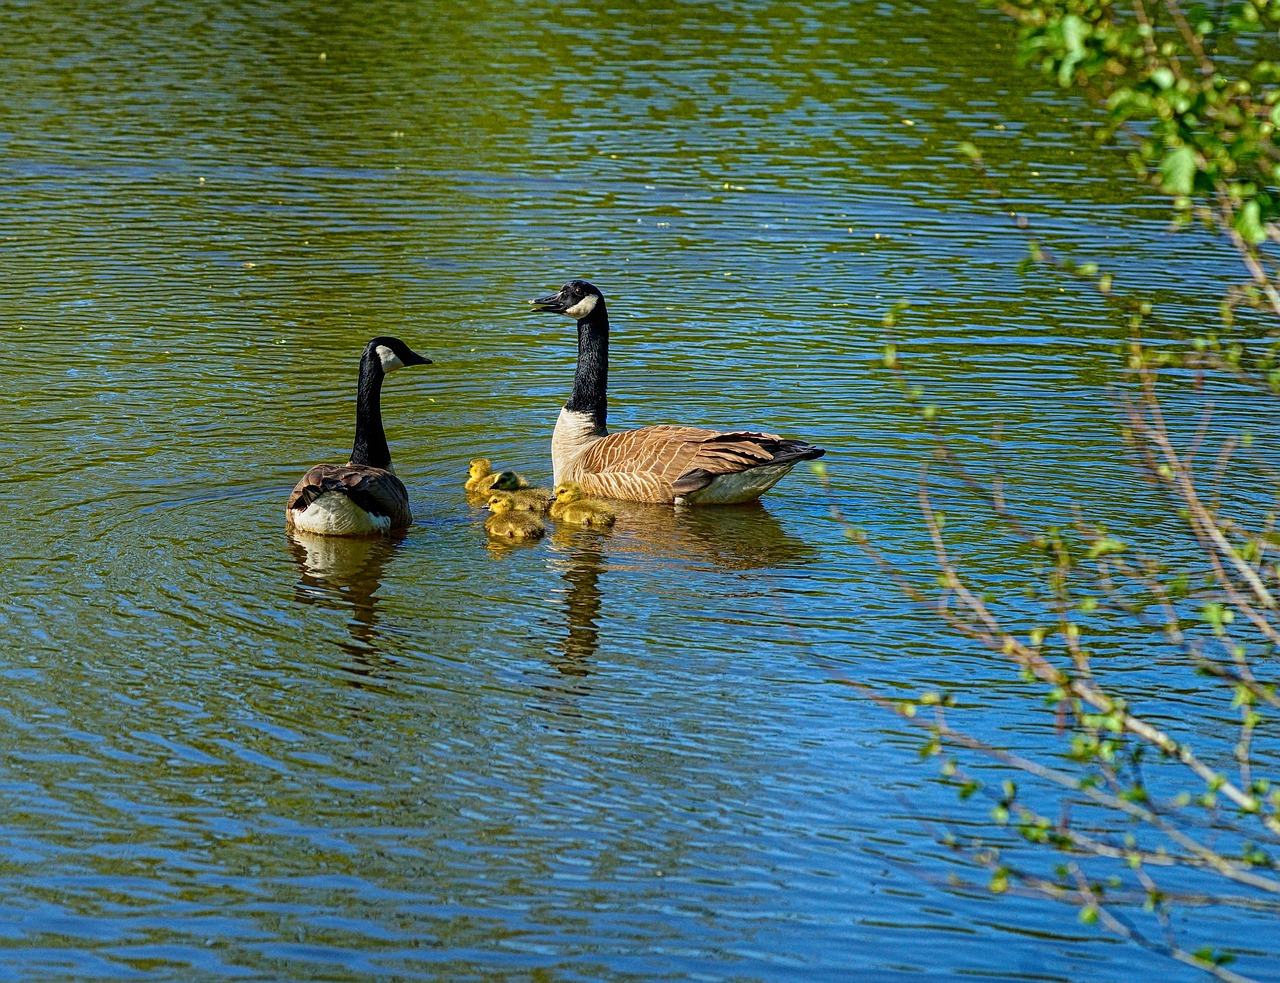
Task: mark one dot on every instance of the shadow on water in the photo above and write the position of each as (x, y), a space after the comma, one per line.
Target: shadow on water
(735, 538)
(343, 574)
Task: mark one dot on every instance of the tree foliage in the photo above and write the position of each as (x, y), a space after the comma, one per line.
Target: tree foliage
(1194, 93)
(1193, 88)
(1141, 817)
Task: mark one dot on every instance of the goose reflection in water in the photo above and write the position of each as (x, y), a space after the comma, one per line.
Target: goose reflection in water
(745, 537)
(343, 574)
(739, 537)
(580, 566)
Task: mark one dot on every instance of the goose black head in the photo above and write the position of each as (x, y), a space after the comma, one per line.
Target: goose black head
(576, 299)
(392, 354)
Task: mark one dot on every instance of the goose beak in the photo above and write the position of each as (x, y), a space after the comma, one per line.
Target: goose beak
(416, 359)
(555, 303)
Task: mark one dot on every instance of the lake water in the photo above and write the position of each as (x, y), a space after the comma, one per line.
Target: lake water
(226, 754)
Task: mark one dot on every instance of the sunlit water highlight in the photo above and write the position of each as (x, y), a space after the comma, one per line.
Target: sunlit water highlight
(232, 755)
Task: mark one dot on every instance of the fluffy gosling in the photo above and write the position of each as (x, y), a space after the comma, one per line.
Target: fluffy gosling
(570, 506)
(527, 499)
(480, 476)
(509, 523)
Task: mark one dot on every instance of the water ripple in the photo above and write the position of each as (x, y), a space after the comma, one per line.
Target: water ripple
(235, 754)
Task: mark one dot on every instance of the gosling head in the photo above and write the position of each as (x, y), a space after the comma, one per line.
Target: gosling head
(501, 503)
(576, 299)
(508, 481)
(479, 467)
(390, 354)
(569, 491)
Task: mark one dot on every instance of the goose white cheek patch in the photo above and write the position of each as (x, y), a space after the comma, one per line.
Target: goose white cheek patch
(582, 308)
(390, 360)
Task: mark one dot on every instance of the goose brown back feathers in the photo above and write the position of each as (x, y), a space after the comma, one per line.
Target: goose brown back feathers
(362, 496)
(660, 464)
(377, 491)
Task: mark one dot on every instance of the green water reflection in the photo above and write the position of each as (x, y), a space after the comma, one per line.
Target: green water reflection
(228, 753)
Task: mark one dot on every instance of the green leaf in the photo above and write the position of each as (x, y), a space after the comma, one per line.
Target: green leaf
(1211, 958)
(1074, 33)
(1217, 614)
(1249, 224)
(1178, 171)
(1104, 546)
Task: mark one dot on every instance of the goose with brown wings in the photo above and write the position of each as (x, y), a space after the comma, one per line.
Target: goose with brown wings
(653, 464)
(362, 497)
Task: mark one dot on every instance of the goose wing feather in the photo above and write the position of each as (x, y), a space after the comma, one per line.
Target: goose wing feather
(658, 464)
(377, 491)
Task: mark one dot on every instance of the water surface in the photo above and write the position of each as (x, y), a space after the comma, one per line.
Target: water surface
(228, 754)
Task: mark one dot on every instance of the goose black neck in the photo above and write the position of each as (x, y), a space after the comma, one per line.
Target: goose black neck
(592, 377)
(371, 442)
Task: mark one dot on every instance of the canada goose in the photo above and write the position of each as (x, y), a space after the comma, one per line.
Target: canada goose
(507, 522)
(573, 507)
(364, 495)
(653, 464)
(526, 499)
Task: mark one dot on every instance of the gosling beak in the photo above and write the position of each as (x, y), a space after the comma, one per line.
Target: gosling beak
(555, 303)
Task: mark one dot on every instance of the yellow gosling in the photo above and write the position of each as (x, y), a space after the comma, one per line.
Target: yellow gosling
(509, 523)
(573, 508)
(481, 476)
(527, 499)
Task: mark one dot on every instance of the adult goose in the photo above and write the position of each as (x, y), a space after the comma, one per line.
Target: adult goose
(653, 464)
(363, 496)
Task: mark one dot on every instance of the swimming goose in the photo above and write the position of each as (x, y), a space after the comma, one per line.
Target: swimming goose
(573, 507)
(507, 522)
(362, 496)
(653, 464)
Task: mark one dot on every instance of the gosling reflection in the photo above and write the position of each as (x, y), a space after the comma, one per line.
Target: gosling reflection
(343, 574)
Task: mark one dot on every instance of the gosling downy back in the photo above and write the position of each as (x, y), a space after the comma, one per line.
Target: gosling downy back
(526, 498)
(573, 507)
(508, 522)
